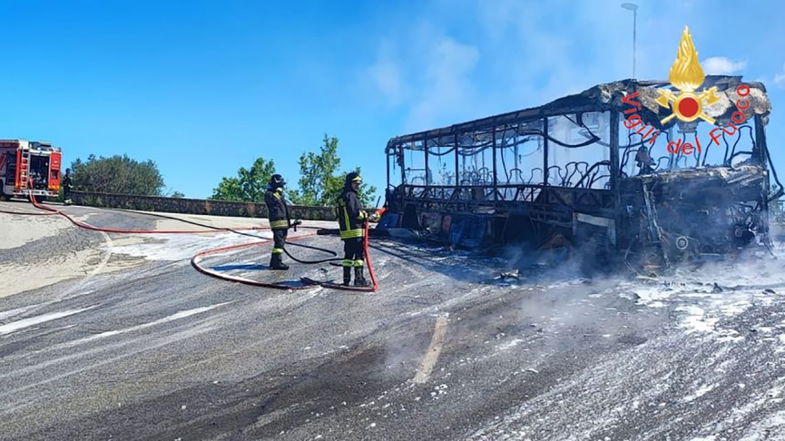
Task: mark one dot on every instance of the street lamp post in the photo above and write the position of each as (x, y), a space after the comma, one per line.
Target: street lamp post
(634, 8)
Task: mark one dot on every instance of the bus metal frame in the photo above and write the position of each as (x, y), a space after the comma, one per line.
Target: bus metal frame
(629, 202)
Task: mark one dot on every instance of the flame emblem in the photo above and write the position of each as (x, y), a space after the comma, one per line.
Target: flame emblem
(686, 74)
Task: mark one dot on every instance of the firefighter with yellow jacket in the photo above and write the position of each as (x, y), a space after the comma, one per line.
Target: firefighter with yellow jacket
(278, 214)
(351, 221)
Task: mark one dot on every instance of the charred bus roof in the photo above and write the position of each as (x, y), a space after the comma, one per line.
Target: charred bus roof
(606, 97)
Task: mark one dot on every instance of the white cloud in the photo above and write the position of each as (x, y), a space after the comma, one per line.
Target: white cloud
(427, 72)
(722, 66)
(386, 76)
(446, 84)
(779, 79)
(509, 55)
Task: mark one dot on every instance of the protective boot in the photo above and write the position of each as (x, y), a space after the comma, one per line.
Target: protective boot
(347, 275)
(276, 262)
(359, 279)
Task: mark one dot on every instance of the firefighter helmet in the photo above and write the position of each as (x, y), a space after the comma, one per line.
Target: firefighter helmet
(276, 181)
(352, 177)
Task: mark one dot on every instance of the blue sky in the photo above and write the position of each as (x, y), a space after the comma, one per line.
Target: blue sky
(204, 87)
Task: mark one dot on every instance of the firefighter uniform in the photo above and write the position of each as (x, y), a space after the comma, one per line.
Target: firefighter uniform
(66, 184)
(278, 215)
(351, 221)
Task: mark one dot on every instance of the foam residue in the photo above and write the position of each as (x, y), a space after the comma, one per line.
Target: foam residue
(706, 300)
(181, 246)
(703, 390)
(31, 321)
(167, 319)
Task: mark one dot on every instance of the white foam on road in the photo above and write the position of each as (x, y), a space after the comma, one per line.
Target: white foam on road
(31, 321)
(170, 318)
(770, 428)
(652, 297)
(12, 312)
(695, 319)
(703, 390)
(761, 419)
(8, 405)
(184, 246)
(706, 302)
(509, 345)
(89, 351)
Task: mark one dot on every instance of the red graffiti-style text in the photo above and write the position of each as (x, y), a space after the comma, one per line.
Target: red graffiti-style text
(635, 120)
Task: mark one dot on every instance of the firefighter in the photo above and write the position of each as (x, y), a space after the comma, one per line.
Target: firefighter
(67, 187)
(351, 220)
(278, 214)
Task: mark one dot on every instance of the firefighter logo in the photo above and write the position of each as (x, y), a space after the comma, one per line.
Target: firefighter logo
(687, 75)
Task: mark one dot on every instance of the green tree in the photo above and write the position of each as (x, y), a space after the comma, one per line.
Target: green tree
(117, 174)
(177, 194)
(249, 185)
(319, 182)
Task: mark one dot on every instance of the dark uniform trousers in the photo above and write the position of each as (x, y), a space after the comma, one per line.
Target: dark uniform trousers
(279, 239)
(278, 215)
(353, 252)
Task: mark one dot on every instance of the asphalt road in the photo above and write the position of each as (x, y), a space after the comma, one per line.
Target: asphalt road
(445, 350)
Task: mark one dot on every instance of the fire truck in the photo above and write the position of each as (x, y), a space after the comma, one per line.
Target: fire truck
(29, 167)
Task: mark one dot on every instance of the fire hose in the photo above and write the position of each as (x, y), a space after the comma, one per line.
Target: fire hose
(295, 225)
(306, 282)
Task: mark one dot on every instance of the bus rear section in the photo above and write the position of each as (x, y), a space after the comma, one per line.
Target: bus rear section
(29, 167)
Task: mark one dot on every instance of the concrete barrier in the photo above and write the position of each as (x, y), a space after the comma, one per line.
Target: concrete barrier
(194, 206)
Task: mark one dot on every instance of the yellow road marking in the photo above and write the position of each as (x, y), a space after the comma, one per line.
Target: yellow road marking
(434, 349)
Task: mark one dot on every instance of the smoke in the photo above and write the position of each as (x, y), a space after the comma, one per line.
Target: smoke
(566, 294)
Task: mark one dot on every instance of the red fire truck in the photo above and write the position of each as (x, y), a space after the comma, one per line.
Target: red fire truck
(29, 166)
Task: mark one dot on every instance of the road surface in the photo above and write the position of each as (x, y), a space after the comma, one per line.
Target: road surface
(110, 336)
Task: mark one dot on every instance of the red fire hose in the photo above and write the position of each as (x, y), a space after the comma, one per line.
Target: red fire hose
(87, 226)
(305, 282)
(375, 285)
(198, 256)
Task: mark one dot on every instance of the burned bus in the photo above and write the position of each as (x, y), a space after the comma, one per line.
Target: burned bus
(608, 170)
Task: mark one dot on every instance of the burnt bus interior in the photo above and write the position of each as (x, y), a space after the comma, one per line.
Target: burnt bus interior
(570, 174)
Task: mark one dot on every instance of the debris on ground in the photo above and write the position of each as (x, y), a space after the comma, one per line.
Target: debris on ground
(508, 276)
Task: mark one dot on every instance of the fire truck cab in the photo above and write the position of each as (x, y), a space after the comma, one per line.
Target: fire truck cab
(29, 167)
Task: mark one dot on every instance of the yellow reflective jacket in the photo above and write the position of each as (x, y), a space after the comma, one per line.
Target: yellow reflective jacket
(351, 216)
(277, 211)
